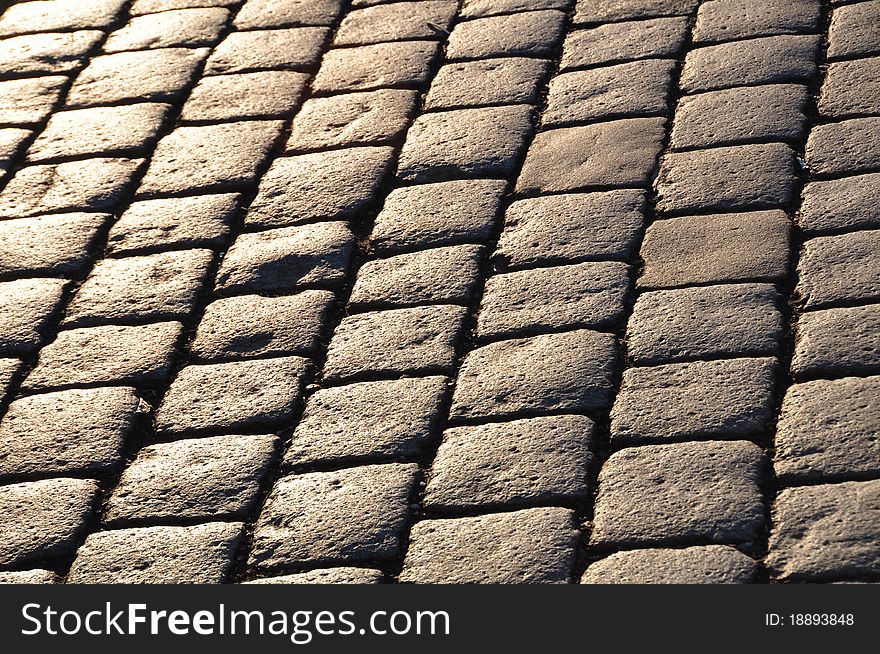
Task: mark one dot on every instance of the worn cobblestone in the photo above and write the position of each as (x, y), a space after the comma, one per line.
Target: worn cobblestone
(50, 15)
(26, 308)
(729, 20)
(286, 49)
(626, 41)
(850, 88)
(530, 34)
(837, 342)
(850, 32)
(46, 54)
(261, 94)
(404, 64)
(511, 80)
(327, 576)
(397, 22)
(177, 28)
(29, 101)
(839, 269)
(708, 564)
(840, 204)
(850, 146)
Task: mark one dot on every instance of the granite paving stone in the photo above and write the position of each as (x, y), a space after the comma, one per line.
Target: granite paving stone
(141, 7)
(9, 370)
(400, 64)
(29, 101)
(262, 94)
(78, 431)
(333, 185)
(590, 294)
(484, 8)
(705, 322)
(700, 564)
(395, 342)
(840, 204)
(681, 494)
(201, 221)
(51, 15)
(428, 19)
(851, 146)
(12, 140)
(292, 324)
(257, 14)
(589, 11)
(371, 117)
(286, 49)
(439, 275)
(852, 30)
(572, 227)
(368, 421)
(44, 519)
(615, 153)
(752, 246)
(727, 398)
(49, 245)
(839, 269)
(199, 479)
(826, 532)
(517, 463)
(851, 88)
(571, 371)
(531, 546)
(46, 54)
(837, 342)
(201, 554)
(506, 80)
(26, 308)
(625, 41)
(356, 515)
(433, 215)
(828, 431)
(28, 577)
(260, 393)
(729, 20)
(176, 28)
(106, 355)
(281, 260)
(327, 576)
(482, 142)
(530, 34)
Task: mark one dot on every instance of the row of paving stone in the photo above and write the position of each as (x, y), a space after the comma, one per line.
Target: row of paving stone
(561, 283)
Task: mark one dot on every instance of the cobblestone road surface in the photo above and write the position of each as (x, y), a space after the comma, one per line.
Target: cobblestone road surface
(438, 291)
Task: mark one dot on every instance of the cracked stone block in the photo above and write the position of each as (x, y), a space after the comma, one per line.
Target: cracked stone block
(851, 88)
(210, 157)
(88, 185)
(837, 342)
(681, 494)
(517, 463)
(743, 177)
(572, 371)
(364, 68)
(28, 577)
(9, 369)
(164, 286)
(636, 88)
(60, 244)
(828, 430)
(334, 185)
(275, 326)
(47, 54)
(769, 60)
(201, 554)
(730, 20)
(263, 94)
(257, 14)
(571, 228)
(701, 564)
(774, 112)
(514, 80)
(587, 294)
(236, 395)
(372, 117)
(369, 421)
(244, 52)
(705, 322)
(44, 519)
(195, 222)
(440, 275)
(51, 15)
(851, 146)
(615, 153)
(626, 41)
(68, 432)
(589, 11)
(487, 141)
(853, 30)
(146, 76)
(839, 269)
(342, 517)
(281, 260)
(26, 307)
(29, 101)
(484, 8)
(826, 532)
(11, 142)
(729, 398)
(531, 546)
(188, 28)
(397, 341)
(432, 215)
(530, 34)
(103, 355)
(751, 246)
(200, 479)
(141, 7)
(125, 130)
(396, 22)
(326, 576)
(847, 203)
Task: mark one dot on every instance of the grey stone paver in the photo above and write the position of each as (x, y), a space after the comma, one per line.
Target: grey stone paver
(512, 80)
(625, 41)
(840, 204)
(706, 564)
(401, 64)
(589, 12)
(530, 34)
(837, 342)
(141, 7)
(26, 308)
(28, 577)
(9, 370)
(851, 88)
(839, 269)
(176, 28)
(45, 54)
(260, 94)
(28, 101)
(729, 20)
(327, 576)
(531, 546)
(851, 32)
(484, 8)
(286, 49)
(12, 141)
(50, 15)
(425, 19)
(256, 14)
(848, 147)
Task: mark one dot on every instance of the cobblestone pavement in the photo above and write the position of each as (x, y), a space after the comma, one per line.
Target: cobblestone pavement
(435, 291)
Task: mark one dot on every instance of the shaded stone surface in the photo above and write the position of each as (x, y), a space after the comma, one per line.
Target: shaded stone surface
(624, 41)
(839, 269)
(511, 80)
(837, 342)
(850, 146)
(46, 54)
(708, 564)
(176, 28)
(530, 34)
(29, 101)
(23, 18)
(840, 204)
(729, 20)
(26, 307)
(404, 64)
(852, 30)
(428, 19)
(850, 88)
